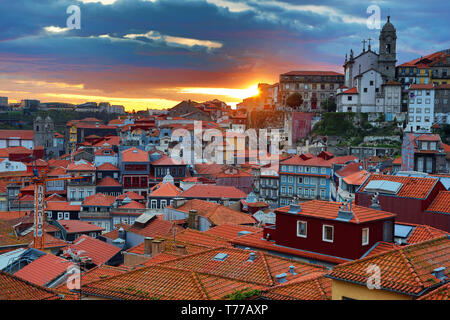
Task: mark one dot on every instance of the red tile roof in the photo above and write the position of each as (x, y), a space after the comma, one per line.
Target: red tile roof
(262, 270)
(62, 206)
(309, 287)
(329, 210)
(213, 191)
(441, 293)
(441, 203)
(133, 205)
(230, 231)
(135, 155)
(77, 226)
(157, 227)
(165, 283)
(104, 152)
(108, 182)
(353, 90)
(418, 86)
(165, 160)
(94, 274)
(44, 269)
(216, 213)
(357, 178)
(381, 246)
(57, 172)
(200, 238)
(107, 167)
(99, 200)
(99, 251)
(413, 187)
(164, 190)
(130, 194)
(15, 288)
(81, 165)
(407, 270)
(422, 233)
(22, 134)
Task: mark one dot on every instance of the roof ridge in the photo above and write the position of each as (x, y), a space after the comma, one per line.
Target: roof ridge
(411, 268)
(266, 265)
(50, 291)
(199, 285)
(319, 285)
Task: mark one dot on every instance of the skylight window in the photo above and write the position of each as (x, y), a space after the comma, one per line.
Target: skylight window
(220, 257)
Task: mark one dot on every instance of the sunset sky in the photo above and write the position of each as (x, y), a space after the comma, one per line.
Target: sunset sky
(155, 53)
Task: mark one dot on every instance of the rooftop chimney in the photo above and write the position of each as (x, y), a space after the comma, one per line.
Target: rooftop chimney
(156, 247)
(345, 212)
(148, 245)
(292, 270)
(193, 219)
(252, 257)
(178, 202)
(180, 249)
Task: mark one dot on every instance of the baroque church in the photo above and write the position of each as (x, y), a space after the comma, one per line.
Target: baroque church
(370, 85)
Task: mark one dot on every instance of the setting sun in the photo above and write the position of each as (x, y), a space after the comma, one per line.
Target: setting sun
(233, 93)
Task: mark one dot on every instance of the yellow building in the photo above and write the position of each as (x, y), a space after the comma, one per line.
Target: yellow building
(405, 273)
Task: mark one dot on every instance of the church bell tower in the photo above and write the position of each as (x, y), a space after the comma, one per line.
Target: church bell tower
(388, 55)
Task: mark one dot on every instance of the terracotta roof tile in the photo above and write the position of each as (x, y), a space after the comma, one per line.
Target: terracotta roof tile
(164, 190)
(108, 182)
(107, 167)
(44, 269)
(310, 287)
(213, 191)
(99, 251)
(15, 288)
(62, 206)
(99, 200)
(441, 203)
(216, 213)
(262, 270)
(78, 226)
(135, 155)
(441, 293)
(413, 187)
(165, 283)
(130, 194)
(231, 231)
(407, 270)
(157, 227)
(329, 210)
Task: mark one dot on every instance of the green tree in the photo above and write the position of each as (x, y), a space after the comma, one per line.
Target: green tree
(294, 100)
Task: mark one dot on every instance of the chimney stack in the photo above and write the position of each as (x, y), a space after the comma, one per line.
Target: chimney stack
(156, 247)
(292, 270)
(180, 249)
(148, 245)
(281, 278)
(178, 202)
(252, 257)
(193, 219)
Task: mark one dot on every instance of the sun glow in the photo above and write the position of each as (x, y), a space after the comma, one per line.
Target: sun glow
(233, 93)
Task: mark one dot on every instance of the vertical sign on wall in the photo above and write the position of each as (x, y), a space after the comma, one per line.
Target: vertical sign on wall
(39, 215)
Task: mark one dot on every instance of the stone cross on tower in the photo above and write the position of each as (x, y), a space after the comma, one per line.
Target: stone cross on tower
(364, 45)
(370, 39)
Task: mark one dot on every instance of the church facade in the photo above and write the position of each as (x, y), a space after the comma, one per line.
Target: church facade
(370, 85)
